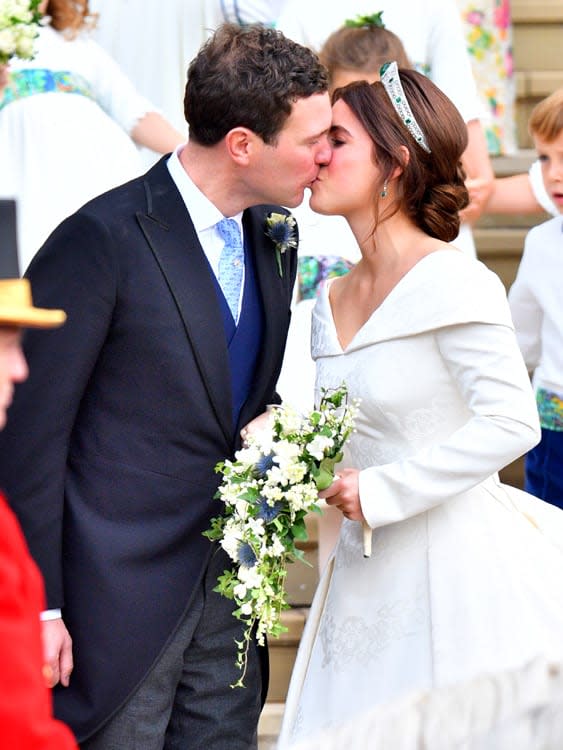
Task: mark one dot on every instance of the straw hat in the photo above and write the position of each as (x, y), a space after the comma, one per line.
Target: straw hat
(16, 307)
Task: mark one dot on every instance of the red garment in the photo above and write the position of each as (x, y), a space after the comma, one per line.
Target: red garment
(26, 717)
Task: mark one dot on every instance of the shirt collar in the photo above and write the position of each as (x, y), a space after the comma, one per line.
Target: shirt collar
(203, 213)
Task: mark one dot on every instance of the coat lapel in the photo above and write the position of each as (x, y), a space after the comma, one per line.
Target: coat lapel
(175, 245)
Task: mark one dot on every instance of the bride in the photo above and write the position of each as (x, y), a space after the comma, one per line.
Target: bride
(464, 577)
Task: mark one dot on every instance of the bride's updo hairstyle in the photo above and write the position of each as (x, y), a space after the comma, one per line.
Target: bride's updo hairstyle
(430, 189)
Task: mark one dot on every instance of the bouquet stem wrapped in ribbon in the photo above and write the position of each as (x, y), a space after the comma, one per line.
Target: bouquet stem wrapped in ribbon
(267, 491)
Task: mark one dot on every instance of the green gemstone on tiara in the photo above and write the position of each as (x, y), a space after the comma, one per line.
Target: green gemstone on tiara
(391, 80)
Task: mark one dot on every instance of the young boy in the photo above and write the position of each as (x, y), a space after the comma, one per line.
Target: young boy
(536, 300)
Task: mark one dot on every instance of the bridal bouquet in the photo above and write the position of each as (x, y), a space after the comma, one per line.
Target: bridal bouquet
(19, 25)
(267, 491)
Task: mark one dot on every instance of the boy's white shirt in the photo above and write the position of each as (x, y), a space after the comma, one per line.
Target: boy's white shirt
(536, 303)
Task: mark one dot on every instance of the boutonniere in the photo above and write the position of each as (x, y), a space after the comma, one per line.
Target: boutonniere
(280, 228)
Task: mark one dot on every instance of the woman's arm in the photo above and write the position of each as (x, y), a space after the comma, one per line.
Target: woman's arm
(512, 195)
(486, 364)
(478, 170)
(155, 132)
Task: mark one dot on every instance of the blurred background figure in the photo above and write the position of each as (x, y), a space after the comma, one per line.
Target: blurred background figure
(154, 43)
(488, 33)
(26, 718)
(69, 124)
(434, 41)
(246, 11)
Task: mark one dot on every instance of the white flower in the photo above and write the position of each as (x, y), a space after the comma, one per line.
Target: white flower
(319, 445)
(19, 25)
(7, 42)
(272, 492)
(241, 507)
(286, 452)
(250, 455)
(256, 525)
(250, 576)
(246, 608)
(276, 477)
(232, 536)
(276, 548)
(295, 472)
(290, 420)
(240, 590)
(25, 48)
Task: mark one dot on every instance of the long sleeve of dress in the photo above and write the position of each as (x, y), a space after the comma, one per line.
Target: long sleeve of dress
(486, 365)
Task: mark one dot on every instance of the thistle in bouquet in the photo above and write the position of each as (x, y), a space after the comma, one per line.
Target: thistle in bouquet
(19, 25)
(267, 491)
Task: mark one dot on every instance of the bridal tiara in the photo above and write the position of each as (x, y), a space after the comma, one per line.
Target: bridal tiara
(389, 75)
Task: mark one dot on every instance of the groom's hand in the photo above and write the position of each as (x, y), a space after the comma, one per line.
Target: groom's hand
(57, 652)
(258, 424)
(344, 494)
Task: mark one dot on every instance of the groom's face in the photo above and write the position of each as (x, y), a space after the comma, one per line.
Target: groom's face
(291, 164)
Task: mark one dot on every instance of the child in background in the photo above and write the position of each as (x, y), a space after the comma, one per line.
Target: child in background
(536, 302)
(70, 124)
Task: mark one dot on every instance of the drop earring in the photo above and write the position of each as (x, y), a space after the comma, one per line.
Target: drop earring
(384, 191)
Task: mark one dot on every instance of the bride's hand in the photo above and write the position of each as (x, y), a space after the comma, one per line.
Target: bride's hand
(345, 495)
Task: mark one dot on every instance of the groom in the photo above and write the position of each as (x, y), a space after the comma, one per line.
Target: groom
(172, 345)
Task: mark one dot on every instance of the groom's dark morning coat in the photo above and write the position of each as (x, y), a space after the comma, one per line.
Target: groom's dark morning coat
(109, 452)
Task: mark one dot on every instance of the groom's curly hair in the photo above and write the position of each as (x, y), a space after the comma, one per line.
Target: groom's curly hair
(248, 77)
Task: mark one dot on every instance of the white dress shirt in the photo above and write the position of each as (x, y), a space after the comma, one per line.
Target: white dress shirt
(204, 216)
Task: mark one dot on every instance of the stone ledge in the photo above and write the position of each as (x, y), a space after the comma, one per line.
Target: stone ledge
(537, 83)
(537, 46)
(521, 161)
(534, 11)
(502, 240)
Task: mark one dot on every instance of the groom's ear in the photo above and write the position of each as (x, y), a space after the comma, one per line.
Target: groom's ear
(241, 143)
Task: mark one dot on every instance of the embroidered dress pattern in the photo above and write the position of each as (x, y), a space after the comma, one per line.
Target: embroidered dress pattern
(31, 81)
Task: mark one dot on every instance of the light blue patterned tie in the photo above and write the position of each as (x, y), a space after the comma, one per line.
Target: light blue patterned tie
(231, 263)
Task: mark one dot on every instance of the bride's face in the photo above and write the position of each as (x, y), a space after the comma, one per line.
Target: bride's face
(346, 186)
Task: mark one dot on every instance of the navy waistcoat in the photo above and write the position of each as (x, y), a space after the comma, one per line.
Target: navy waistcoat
(244, 340)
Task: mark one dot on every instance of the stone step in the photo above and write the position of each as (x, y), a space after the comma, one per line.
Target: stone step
(504, 166)
(536, 11)
(269, 725)
(282, 652)
(538, 63)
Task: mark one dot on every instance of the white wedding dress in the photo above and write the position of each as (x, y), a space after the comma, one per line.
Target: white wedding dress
(465, 575)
